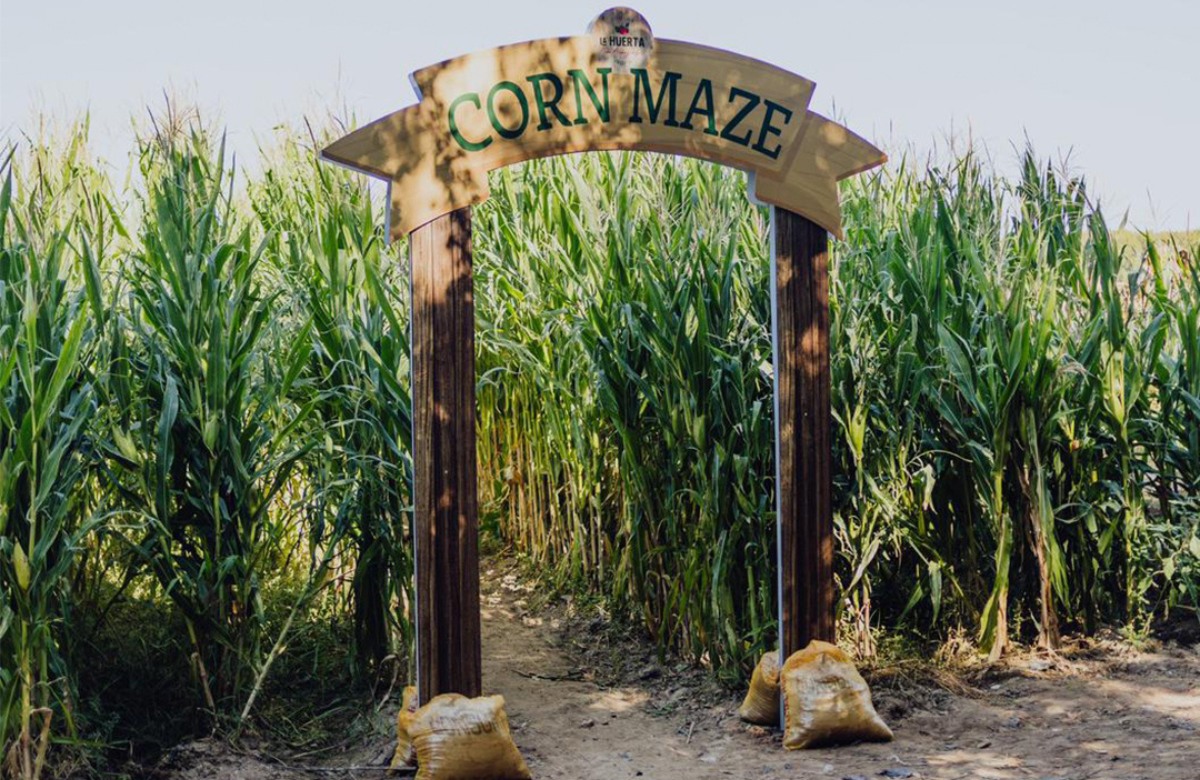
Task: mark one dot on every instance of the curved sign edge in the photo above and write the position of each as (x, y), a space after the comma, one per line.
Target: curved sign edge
(546, 97)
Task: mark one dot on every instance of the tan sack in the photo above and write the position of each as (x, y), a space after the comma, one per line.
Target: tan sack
(405, 754)
(762, 700)
(458, 738)
(826, 701)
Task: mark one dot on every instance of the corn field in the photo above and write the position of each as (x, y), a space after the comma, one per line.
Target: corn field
(205, 414)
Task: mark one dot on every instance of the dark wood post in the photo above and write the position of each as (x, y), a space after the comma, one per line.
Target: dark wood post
(443, 411)
(804, 454)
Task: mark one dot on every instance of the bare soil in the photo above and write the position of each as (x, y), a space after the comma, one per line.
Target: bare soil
(587, 704)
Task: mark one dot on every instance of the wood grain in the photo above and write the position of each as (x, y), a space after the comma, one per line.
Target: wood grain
(804, 455)
(443, 411)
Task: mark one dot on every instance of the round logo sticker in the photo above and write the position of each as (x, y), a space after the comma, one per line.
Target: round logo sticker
(623, 39)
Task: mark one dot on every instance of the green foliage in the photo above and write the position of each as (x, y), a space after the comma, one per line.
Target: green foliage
(45, 401)
(323, 233)
(205, 416)
(1010, 415)
(1017, 425)
(625, 389)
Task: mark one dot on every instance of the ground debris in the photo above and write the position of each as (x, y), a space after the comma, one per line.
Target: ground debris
(585, 712)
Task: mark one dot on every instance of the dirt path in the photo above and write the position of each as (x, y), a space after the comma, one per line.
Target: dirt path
(585, 705)
(1134, 716)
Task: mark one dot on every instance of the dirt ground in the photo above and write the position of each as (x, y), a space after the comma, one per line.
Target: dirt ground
(585, 705)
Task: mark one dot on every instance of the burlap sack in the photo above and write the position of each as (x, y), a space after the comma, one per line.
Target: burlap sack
(458, 738)
(405, 755)
(762, 700)
(826, 701)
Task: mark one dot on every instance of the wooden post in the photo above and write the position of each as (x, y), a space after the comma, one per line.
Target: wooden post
(803, 447)
(443, 413)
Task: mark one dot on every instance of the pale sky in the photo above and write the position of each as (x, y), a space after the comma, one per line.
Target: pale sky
(1114, 85)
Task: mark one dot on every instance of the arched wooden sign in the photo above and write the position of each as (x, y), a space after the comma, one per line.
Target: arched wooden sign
(559, 95)
(614, 88)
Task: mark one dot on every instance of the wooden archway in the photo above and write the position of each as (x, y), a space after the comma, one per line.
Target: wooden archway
(614, 88)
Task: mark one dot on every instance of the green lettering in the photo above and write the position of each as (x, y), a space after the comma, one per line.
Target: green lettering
(769, 129)
(579, 77)
(552, 104)
(470, 146)
(652, 107)
(508, 86)
(704, 90)
(751, 104)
